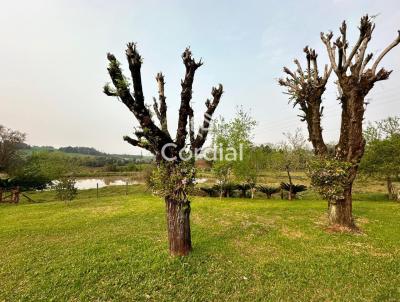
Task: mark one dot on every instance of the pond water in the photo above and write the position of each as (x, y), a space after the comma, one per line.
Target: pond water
(91, 183)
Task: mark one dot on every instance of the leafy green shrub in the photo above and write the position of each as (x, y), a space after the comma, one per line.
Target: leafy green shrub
(168, 178)
(65, 189)
(329, 177)
(38, 170)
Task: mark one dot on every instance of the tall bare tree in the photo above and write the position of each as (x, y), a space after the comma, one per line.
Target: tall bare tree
(157, 139)
(355, 80)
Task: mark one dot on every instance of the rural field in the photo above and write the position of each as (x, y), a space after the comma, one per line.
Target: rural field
(115, 249)
(228, 151)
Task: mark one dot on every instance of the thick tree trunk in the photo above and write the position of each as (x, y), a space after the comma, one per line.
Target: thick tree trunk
(314, 124)
(350, 148)
(340, 211)
(390, 188)
(178, 224)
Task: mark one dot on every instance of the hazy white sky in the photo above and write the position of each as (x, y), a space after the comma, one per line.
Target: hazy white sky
(53, 61)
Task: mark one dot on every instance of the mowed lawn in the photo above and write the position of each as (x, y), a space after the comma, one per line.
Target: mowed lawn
(115, 249)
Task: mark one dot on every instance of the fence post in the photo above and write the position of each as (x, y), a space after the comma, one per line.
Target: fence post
(97, 190)
(15, 195)
(126, 188)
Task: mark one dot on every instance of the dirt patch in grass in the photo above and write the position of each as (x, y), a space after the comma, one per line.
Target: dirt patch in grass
(323, 223)
(336, 228)
(292, 234)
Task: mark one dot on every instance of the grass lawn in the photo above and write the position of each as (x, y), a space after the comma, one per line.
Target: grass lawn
(115, 249)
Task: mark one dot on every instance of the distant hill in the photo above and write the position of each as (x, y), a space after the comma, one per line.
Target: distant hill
(86, 151)
(81, 150)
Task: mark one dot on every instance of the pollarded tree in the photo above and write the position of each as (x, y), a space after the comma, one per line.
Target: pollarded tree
(175, 175)
(355, 80)
(306, 88)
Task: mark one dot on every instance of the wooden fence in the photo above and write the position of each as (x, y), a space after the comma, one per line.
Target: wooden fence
(11, 196)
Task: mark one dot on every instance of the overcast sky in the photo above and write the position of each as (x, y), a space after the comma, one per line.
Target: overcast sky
(53, 62)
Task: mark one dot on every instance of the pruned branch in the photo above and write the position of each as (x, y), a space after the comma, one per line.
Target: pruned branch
(305, 90)
(120, 83)
(161, 110)
(366, 28)
(108, 90)
(136, 104)
(343, 31)
(382, 75)
(365, 62)
(139, 143)
(356, 60)
(384, 52)
(201, 137)
(135, 63)
(287, 70)
(299, 70)
(327, 73)
(156, 110)
(191, 129)
(186, 95)
(326, 39)
(150, 137)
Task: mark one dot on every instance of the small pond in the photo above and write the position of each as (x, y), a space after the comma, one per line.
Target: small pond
(91, 183)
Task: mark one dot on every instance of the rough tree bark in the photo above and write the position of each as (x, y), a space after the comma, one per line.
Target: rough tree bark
(354, 82)
(158, 140)
(178, 225)
(390, 188)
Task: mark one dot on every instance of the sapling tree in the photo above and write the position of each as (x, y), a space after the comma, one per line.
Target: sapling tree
(382, 154)
(10, 140)
(355, 78)
(174, 176)
(295, 157)
(382, 129)
(235, 138)
(65, 189)
(382, 160)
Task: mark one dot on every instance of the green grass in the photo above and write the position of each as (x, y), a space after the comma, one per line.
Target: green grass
(115, 249)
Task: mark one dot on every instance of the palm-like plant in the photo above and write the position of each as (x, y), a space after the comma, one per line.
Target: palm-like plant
(269, 191)
(209, 191)
(293, 189)
(243, 188)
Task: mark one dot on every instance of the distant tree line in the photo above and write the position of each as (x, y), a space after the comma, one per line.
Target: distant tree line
(81, 150)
